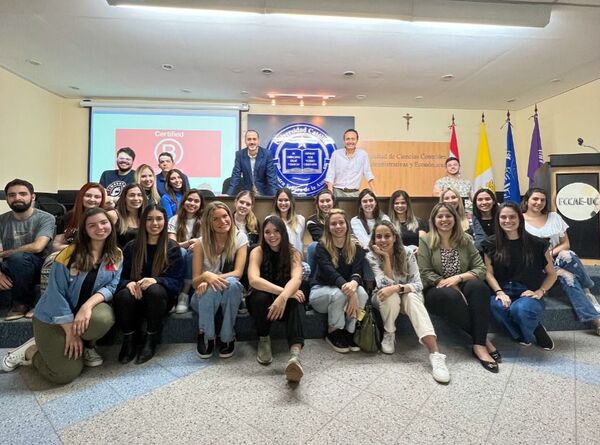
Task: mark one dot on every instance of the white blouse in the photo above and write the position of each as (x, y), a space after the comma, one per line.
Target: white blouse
(554, 229)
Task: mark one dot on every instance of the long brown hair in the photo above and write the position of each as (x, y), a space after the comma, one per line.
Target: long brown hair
(209, 242)
(398, 257)
(320, 216)
(140, 246)
(291, 219)
(82, 259)
(78, 209)
(457, 238)
(122, 225)
(412, 223)
(361, 213)
(181, 231)
(349, 248)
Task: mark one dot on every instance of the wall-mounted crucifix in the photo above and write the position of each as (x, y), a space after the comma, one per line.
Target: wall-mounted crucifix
(408, 117)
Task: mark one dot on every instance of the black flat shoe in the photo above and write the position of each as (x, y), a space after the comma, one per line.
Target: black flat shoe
(148, 348)
(488, 366)
(496, 356)
(128, 350)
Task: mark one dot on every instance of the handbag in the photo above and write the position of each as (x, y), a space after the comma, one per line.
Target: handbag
(367, 335)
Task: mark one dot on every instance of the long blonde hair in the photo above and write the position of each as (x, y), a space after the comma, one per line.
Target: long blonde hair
(457, 238)
(151, 194)
(349, 247)
(209, 241)
(251, 221)
(460, 207)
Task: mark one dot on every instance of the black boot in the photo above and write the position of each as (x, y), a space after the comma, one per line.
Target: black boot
(128, 349)
(148, 348)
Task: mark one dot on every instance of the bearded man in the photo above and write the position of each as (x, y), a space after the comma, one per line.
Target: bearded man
(25, 233)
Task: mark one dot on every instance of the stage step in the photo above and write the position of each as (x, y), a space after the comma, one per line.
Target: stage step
(559, 316)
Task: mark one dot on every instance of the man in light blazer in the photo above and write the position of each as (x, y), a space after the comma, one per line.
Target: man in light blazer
(253, 168)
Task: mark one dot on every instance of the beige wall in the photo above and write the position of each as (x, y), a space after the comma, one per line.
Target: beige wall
(45, 138)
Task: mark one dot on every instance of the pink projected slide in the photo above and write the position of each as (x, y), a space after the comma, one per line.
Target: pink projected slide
(197, 153)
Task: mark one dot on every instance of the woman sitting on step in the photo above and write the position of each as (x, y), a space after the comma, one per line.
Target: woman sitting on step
(73, 312)
(275, 274)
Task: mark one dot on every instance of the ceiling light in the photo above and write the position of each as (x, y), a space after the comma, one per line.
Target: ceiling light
(447, 77)
(244, 93)
(185, 90)
(167, 67)
(419, 98)
(33, 62)
(266, 71)
(511, 100)
(324, 103)
(556, 80)
(73, 87)
(349, 73)
(301, 102)
(273, 102)
(361, 96)
(476, 12)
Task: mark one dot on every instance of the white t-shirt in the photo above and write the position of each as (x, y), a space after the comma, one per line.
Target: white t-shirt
(359, 231)
(240, 240)
(554, 229)
(189, 226)
(297, 236)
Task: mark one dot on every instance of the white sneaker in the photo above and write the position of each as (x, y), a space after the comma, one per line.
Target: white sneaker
(593, 300)
(438, 367)
(387, 344)
(91, 358)
(182, 303)
(16, 358)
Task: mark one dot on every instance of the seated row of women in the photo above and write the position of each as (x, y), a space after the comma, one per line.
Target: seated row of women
(73, 313)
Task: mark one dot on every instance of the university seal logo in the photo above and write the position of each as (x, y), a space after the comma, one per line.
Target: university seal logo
(301, 154)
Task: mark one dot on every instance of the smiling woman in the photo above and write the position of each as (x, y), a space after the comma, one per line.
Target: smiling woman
(73, 312)
(151, 280)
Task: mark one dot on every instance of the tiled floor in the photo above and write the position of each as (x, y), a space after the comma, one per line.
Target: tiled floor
(538, 397)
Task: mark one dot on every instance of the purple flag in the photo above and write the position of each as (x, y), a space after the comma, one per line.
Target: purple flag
(536, 158)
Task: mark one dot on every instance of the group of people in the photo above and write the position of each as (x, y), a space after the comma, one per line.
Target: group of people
(151, 253)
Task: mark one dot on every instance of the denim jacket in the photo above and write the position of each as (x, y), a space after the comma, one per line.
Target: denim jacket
(57, 303)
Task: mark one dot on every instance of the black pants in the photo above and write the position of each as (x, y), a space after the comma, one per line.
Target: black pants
(258, 303)
(152, 307)
(472, 316)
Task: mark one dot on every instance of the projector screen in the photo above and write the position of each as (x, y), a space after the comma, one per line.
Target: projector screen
(203, 143)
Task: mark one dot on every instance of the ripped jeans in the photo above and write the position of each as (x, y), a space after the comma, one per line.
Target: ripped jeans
(573, 278)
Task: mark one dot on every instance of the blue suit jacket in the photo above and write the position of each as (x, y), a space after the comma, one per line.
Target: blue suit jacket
(265, 177)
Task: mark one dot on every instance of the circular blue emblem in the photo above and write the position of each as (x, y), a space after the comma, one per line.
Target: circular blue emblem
(301, 154)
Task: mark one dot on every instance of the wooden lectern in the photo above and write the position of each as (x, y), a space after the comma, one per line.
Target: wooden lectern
(584, 236)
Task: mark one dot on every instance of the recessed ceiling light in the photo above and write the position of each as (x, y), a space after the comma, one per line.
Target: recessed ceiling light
(167, 67)
(419, 97)
(244, 93)
(185, 90)
(447, 77)
(33, 62)
(266, 71)
(555, 80)
(73, 87)
(349, 73)
(361, 96)
(511, 100)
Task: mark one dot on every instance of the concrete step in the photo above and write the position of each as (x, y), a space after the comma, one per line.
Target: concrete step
(559, 316)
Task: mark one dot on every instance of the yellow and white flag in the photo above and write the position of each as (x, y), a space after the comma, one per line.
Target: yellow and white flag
(484, 176)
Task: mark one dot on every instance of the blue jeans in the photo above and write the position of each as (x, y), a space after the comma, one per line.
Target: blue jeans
(311, 251)
(187, 261)
(523, 315)
(208, 304)
(331, 300)
(23, 269)
(573, 280)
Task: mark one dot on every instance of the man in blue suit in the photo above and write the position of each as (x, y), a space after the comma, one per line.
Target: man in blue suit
(253, 168)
